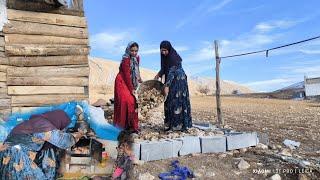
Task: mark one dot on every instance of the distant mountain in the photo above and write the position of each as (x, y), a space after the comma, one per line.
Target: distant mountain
(227, 87)
(103, 73)
(295, 86)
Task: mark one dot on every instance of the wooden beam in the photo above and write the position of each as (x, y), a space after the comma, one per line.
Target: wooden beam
(29, 5)
(46, 18)
(67, 11)
(3, 88)
(5, 102)
(34, 90)
(18, 27)
(42, 39)
(3, 77)
(48, 81)
(22, 109)
(45, 50)
(41, 7)
(3, 60)
(47, 60)
(2, 41)
(4, 96)
(3, 68)
(5, 113)
(47, 71)
(39, 100)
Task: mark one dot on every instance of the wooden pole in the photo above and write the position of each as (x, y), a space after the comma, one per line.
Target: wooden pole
(218, 60)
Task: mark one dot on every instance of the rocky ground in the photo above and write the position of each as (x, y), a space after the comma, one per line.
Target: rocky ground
(280, 119)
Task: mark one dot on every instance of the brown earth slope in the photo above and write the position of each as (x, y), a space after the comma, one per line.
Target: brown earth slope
(103, 73)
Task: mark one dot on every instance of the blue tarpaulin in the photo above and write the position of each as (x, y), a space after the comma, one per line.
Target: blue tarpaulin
(102, 128)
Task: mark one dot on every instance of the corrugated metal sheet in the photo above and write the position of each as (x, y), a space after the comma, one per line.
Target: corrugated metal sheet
(312, 89)
(313, 81)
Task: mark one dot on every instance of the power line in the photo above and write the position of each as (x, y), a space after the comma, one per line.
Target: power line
(267, 50)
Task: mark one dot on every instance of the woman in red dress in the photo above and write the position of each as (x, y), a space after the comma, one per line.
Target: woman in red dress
(127, 80)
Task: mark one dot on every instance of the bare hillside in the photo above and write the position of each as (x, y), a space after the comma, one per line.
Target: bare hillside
(103, 73)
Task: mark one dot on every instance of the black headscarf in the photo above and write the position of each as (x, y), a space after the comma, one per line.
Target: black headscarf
(172, 59)
(53, 120)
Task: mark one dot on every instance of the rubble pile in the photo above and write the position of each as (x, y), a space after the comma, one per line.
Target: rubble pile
(149, 100)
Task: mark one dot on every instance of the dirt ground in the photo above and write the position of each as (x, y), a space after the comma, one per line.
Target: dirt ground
(280, 119)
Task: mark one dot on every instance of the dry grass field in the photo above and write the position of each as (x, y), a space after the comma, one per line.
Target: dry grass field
(280, 119)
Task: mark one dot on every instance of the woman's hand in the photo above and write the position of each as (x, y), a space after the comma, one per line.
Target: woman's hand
(140, 80)
(77, 135)
(3, 147)
(166, 90)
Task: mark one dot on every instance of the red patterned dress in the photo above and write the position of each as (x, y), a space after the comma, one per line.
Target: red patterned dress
(125, 114)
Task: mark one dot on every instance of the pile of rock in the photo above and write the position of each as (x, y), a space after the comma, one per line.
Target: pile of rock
(149, 100)
(108, 108)
(155, 132)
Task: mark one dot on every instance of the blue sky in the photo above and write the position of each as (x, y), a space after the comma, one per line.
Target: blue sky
(193, 25)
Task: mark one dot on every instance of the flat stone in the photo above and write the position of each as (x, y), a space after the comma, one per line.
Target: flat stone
(213, 144)
(291, 144)
(241, 140)
(272, 146)
(263, 138)
(198, 174)
(136, 150)
(275, 177)
(157, 150)
(100, 102)
(262, 146)
(303, 177)
(176, 146)
(222, 155)
(236, 151)
(210, 174)
(237, 172)
(195, 154)
(203, 125)
(259, 164)
(243, 150)
(190, 145)
(286, 152)
(304, 163)
(243, 165)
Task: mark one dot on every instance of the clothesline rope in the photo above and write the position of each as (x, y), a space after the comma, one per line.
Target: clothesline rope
(270, 49)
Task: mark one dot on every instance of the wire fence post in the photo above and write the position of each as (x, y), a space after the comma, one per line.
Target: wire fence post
(218, 101)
